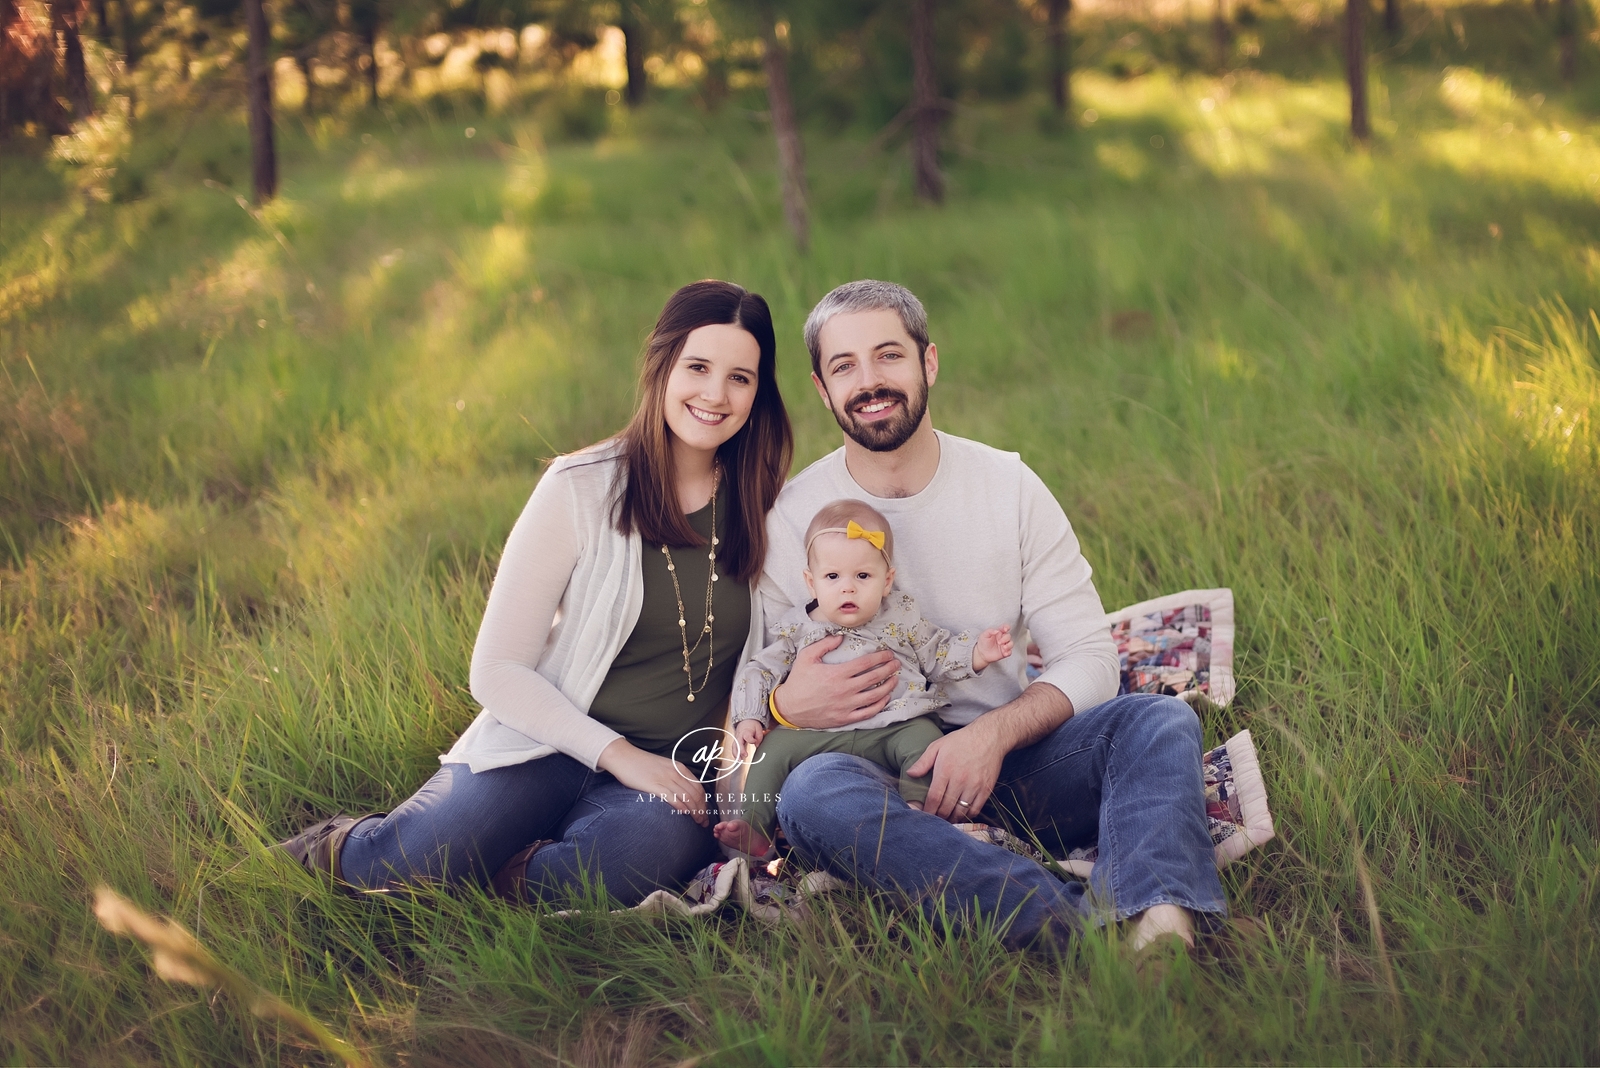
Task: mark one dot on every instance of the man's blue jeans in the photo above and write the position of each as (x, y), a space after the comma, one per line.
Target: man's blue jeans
(1125, 773)
(461, 827)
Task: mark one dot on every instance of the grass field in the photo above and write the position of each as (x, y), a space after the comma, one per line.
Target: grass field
(257, 469)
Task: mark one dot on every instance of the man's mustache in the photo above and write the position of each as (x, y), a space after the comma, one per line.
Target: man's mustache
(873, 396)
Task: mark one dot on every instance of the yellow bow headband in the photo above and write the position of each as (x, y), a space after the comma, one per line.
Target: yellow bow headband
(874, 538)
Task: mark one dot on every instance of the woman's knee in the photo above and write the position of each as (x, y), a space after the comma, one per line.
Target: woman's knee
(632, 843)
(677, 849)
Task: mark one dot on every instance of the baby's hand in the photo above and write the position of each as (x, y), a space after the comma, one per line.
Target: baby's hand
(749, 732)
(994, 644)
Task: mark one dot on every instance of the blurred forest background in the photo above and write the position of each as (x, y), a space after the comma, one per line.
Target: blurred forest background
(837, 64)
(1292, 296)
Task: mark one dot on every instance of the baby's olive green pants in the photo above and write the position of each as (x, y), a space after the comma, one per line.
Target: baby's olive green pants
(895, 747)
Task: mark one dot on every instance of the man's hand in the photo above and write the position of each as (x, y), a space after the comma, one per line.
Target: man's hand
(657, 776)
(965, 765)
(993, 644)
(817, 695)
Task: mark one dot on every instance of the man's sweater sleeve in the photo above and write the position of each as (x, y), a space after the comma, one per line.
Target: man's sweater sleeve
(782, 552)
(1060, 605)
(535, 568)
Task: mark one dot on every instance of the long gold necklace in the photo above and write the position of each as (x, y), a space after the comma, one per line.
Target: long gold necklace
(706, 632)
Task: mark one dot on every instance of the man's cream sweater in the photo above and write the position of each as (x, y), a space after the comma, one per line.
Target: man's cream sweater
(983, 544)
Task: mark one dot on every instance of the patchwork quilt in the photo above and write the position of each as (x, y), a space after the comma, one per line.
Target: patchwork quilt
(1181, 644)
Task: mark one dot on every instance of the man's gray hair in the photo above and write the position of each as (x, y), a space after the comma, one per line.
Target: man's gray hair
(866, 295)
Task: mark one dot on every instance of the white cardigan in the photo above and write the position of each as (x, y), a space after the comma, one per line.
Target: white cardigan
(565, 599)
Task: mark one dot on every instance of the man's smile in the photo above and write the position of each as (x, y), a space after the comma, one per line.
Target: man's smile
(878, 408)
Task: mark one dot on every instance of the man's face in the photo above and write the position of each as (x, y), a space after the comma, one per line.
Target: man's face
(872, 380)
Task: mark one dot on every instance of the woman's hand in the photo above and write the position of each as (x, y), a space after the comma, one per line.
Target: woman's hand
(818, 695)
(657, 776)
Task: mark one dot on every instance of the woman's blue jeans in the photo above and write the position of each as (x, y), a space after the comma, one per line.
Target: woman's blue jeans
(1125, 774)
(462, 827)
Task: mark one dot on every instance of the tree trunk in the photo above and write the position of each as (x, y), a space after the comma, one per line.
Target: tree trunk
(791, 150)
(370, 40)
(366, 18)
(130, 34)
(1567, 23)
(1391, 19)
(1355, 65)
(264, 161)
(27, 72)
(65, 15)
(925, 104)
(1222, 34)
(633, 58)
(302, 60)
(1060, 55)
(102, 20)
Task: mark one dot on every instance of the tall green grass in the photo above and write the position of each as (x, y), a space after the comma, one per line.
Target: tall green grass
(258, 465)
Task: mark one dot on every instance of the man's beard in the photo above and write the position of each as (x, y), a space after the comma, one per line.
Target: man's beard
(889, 434)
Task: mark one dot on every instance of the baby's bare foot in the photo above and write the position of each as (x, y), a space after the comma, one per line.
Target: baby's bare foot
(738, 834)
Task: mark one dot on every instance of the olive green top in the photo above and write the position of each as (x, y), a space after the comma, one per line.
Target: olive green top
(645, 695)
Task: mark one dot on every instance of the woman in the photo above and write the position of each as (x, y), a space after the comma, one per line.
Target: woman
(620, 610)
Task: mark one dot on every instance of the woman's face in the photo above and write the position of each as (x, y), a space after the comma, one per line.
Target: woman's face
(712, 387)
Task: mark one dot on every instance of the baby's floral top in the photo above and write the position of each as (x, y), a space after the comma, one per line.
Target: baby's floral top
(929, 655)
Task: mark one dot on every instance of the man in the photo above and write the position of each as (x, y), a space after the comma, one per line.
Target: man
(980, 542)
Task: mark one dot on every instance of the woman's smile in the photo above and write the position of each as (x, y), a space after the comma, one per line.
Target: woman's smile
(709, 418)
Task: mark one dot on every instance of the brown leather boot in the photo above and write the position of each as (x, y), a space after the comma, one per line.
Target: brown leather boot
(511, 881)
(317, 847)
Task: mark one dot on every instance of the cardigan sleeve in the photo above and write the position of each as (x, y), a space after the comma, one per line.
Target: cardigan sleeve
(535, 569)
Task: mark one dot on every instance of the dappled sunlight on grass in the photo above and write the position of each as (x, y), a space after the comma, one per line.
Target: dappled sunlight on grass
(1540, 157)
(495, 261)
(220, 299)
(1545, 377)
(370, 186)
(1259, 128)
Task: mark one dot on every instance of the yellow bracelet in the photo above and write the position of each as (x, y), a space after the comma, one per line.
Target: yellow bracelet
(772, 706)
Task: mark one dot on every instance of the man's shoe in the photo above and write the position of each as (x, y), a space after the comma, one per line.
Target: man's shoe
(1158, 961)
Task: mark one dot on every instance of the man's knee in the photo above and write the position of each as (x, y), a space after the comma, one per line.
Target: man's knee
(812, 790)
(1167, 721)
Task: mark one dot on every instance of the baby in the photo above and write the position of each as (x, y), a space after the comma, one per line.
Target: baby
(850, 573)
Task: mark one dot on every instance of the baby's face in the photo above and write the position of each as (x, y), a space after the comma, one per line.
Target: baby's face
(849, 579)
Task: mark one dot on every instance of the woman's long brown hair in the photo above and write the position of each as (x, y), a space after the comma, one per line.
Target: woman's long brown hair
(755, 460)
